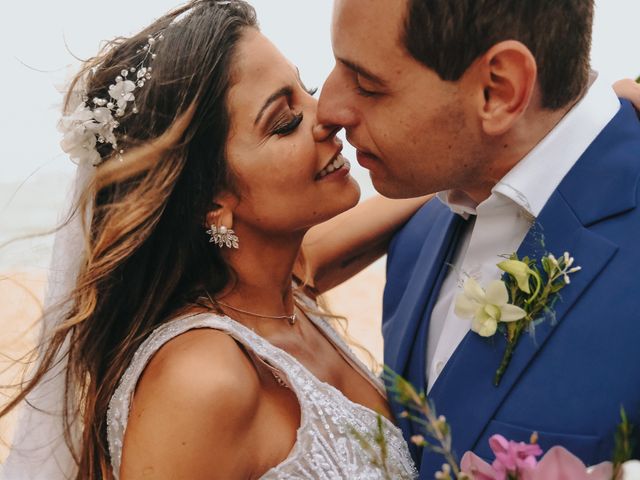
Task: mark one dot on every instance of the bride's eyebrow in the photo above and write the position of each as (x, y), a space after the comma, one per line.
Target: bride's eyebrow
(283, 92)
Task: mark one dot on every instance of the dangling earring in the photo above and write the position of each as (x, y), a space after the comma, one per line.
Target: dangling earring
(223, 237)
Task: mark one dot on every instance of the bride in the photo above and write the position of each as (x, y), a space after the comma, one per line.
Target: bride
(190, 343)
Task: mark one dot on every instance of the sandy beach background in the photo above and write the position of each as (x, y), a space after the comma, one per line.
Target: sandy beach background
(34, 206)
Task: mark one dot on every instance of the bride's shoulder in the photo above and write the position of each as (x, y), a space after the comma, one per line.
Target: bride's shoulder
(201, 360)
(198, 383)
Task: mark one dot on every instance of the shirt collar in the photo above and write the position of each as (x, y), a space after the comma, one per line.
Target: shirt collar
(458, 202)
(532, 181)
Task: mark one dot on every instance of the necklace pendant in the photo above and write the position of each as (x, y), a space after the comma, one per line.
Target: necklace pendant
(292, 319)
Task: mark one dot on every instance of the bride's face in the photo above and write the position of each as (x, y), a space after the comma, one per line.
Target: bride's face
(276, 149)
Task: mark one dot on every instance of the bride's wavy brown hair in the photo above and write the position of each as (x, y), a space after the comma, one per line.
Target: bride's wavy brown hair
(147, 254)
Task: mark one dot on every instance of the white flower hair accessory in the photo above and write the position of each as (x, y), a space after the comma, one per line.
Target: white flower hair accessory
(93, 121)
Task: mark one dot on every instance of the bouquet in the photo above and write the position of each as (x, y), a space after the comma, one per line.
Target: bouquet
(513, 460)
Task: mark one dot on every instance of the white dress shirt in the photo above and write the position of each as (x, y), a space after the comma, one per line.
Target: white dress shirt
(504, 218)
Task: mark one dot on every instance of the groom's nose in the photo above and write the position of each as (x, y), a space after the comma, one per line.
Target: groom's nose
(334, 105)
(322, 133)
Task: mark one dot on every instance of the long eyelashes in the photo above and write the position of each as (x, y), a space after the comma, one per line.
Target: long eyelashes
(288, 127)
(285, 126)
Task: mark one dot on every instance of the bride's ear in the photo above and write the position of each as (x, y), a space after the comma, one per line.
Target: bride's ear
(222, 210)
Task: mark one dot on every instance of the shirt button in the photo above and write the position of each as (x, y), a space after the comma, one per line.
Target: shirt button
(439, 367)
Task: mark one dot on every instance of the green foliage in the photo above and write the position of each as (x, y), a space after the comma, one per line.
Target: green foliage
(378, 456)
(624, 445)
(421, 411)
(544, 286)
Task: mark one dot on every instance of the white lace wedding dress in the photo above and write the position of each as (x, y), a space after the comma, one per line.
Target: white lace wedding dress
(326, 445)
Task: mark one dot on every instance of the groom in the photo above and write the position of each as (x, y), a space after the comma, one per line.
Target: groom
(492, 104)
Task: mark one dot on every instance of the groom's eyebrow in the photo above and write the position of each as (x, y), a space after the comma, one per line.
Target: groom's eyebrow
(360, 70)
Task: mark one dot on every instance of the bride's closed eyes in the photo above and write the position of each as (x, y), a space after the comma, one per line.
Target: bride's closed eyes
(286, 123)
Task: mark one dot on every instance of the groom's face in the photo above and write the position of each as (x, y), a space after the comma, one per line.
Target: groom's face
(409, 127)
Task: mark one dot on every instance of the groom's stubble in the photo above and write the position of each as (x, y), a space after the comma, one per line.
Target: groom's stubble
(416, 132)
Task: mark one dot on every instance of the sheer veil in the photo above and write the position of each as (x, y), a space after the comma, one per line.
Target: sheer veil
(39, 450)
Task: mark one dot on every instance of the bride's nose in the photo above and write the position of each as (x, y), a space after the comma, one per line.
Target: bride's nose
(322, 133)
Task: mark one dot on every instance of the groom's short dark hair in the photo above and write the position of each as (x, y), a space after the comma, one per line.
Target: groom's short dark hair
(448, 35)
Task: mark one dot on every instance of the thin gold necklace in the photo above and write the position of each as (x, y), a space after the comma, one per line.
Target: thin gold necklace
(291, 318)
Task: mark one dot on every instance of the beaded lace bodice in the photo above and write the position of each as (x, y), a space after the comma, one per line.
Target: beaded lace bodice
(327, 444)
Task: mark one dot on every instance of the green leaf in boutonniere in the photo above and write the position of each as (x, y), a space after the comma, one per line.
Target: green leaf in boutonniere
(513, 304)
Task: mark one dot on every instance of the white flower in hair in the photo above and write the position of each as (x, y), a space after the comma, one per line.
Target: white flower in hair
(121, 92)
(104, 125)
(79, 139)
(86, 127)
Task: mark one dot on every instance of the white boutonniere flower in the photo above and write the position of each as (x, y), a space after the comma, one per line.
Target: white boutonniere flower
(529, 291)
(485, 308)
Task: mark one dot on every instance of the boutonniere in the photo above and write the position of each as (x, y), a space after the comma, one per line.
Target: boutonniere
(515, 304)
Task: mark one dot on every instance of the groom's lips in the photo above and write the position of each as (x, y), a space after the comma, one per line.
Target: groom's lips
(366, 159)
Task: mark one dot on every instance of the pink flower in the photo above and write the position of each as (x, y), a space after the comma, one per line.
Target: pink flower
(557, 464)
(513, 457)
(476, 468)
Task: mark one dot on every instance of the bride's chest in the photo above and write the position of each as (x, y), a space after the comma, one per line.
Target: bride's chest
(327, 366)
(329, 439)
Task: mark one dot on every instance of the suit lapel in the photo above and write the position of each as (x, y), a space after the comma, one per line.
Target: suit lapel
(403, 327)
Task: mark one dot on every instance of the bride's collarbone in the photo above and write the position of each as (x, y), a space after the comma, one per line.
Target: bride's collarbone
(313, 350)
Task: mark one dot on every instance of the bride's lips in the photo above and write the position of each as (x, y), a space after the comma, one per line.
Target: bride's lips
(336, 167)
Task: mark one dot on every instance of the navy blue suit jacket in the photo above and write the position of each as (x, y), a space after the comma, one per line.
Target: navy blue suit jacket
(569, 381)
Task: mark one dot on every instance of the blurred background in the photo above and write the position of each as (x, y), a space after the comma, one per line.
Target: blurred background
(38, 43)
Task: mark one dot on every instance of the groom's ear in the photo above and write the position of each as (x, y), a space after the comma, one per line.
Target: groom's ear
(506, 76)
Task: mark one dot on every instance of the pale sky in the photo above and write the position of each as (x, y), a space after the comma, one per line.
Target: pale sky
(34, 33)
